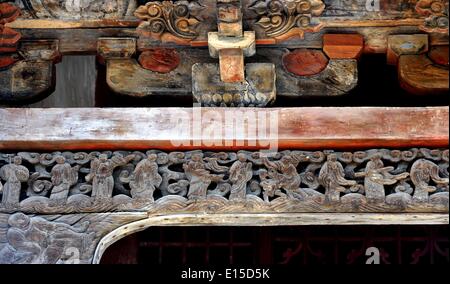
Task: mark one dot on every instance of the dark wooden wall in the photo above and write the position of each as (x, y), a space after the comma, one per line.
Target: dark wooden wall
(75, 83)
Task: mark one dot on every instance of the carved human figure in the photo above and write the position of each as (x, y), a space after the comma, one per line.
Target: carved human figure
(14, 174)
(199, 177)
(240, 174)
(376, 176)
(101, 174)
(422, 172)
(332, 177)
(285, 174)
(270, 186)
(145, 179)
(36, 240)
(63, 177)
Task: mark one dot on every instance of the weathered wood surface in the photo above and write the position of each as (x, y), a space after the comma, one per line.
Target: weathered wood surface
(258, 89)
(83, 238)
(56, 239)
(126, 76)
(75, 84)
(421, 76)
(26, 80)
(305, 128)
(338, 77)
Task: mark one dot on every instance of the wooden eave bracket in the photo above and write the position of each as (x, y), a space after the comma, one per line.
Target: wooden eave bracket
(422, 69)
(31, 76)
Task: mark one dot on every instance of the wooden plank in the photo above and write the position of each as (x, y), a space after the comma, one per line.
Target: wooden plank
(290, 219)
(168, 128)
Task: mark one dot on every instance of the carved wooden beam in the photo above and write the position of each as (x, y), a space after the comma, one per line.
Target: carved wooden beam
(298, 23)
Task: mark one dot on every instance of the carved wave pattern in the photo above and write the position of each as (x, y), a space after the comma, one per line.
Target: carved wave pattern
(290, 181)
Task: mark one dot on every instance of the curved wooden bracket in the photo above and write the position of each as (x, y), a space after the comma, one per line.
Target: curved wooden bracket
(422, 70)
(421, 76)
(128, 77)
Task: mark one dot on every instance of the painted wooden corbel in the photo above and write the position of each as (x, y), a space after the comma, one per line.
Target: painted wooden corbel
(422, 69)
(305, 72)
(156, 71)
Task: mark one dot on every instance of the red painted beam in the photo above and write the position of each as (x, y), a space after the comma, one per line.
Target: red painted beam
(222, 128)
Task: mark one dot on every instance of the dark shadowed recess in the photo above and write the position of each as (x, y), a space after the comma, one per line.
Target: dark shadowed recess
(297, 245)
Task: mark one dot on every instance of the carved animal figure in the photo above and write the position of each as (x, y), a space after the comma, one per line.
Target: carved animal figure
(145, 179)
(14, 174)
(422, 172)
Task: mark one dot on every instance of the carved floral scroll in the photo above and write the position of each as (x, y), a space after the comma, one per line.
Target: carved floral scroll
(290, 181)
(172, 19)
(283, 19)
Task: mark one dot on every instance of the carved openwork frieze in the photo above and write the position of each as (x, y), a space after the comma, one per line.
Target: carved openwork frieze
(290, 181)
